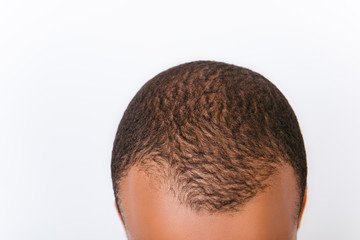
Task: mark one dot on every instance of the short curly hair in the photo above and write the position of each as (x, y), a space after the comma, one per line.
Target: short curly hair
(212, 132)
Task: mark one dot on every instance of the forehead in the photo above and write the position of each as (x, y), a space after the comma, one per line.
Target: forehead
(151, 214)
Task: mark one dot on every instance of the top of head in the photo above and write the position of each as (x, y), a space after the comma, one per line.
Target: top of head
(211, 133)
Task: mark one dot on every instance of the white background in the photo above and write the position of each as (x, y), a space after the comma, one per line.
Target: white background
(69, 68)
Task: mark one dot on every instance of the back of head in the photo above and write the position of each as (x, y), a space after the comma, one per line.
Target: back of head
(210, 133)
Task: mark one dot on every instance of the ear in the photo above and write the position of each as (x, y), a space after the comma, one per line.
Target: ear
(117, 210)
(302, 207)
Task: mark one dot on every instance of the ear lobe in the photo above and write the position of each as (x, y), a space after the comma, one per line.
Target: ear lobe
(302, 207)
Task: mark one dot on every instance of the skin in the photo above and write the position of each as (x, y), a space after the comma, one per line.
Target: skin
(151, 214)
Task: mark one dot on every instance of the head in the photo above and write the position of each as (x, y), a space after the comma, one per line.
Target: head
(209, 150)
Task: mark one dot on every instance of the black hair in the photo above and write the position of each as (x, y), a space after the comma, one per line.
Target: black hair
(213, 132)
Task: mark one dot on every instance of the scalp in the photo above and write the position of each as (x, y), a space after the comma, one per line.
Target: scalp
(212, 133)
